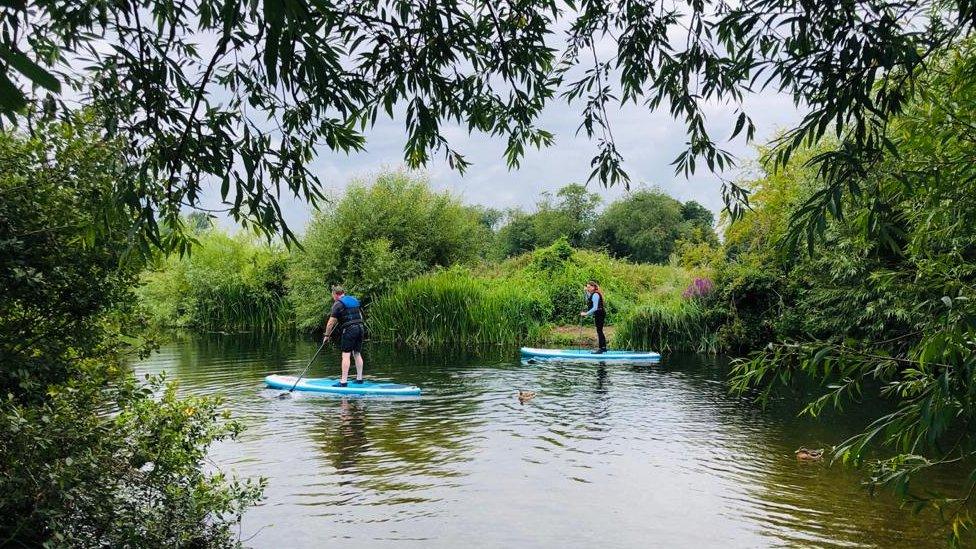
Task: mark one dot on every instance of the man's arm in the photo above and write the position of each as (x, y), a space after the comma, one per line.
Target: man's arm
(329, 327)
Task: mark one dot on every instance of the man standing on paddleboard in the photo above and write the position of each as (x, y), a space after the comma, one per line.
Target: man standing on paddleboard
(597, 308)
(347, 314)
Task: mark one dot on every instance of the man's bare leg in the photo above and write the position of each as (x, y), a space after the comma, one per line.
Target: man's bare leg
(345, 367)
(359, 364)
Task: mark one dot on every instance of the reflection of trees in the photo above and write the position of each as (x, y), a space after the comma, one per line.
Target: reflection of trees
(394, 446)
(346, 441)
(400, 445)
(248, 356)
(795, 503)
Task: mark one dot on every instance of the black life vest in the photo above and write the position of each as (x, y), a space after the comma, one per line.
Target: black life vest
(352, 314)
(601, 307)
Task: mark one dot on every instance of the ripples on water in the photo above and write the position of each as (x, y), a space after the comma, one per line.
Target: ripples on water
(610, 456)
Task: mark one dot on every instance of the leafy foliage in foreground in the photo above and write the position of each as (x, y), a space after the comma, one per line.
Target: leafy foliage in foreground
(88, 457)
(886, 302)
(64, 262)
(78, 475)
(284, 80)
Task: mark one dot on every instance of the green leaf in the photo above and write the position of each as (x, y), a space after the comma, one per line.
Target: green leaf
(11, 98)
(274, 15)
(34, 72)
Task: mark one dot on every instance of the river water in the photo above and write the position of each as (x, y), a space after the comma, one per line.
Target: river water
(604, 456)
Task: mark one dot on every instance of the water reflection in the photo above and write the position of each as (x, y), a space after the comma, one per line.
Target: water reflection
(605, 454)
(344, 443)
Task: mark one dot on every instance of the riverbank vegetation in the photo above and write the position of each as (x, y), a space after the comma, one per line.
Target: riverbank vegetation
(90, 457)
(523, 299)
(883, 296)
(228, 283)
(419, 259)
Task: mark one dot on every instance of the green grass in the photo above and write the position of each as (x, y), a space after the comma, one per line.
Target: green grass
(674, 325)
(452, 307)
(519, 300)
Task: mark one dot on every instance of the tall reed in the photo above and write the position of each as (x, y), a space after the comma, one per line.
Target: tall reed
(673, 325)
(452, 307)
(227, 283)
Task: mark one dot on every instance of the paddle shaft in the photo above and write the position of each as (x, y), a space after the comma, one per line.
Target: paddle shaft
(307, 366)
(580, 340)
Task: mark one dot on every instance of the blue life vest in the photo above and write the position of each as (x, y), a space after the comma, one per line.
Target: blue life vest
(352, 313)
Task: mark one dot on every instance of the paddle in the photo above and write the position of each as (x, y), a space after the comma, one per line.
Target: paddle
(284, 395)
(580, 340)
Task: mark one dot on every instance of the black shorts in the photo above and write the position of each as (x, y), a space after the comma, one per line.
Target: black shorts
(352, 339)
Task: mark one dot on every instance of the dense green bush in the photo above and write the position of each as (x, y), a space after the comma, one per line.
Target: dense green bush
(224, 283)
(745, 309)
(569, 217)
(883, 301)
(645, 226)
(88, 457)
(378, 235)
(65, 262)
(77, 475)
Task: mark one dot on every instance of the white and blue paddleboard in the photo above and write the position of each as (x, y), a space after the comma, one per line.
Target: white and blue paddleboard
(584, 355)
(323, 385)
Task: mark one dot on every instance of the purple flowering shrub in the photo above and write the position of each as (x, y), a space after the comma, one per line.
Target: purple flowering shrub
(700, 287)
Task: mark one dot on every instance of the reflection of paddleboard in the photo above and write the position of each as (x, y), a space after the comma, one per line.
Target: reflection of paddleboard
(323, 385)
(576, 355)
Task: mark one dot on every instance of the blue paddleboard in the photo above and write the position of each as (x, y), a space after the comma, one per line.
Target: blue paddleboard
(323, 385)
(578, 355)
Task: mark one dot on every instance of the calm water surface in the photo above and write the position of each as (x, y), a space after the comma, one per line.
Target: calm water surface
(609, 456)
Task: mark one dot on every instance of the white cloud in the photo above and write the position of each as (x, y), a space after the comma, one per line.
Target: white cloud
(648, 140)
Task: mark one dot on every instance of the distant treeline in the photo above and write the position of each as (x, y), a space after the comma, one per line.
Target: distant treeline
(644, 227)
(383, 233)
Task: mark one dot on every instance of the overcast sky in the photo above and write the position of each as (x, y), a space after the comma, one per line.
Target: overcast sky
(649, 142)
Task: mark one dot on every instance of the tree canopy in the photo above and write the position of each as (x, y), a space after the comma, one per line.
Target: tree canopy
(569, 216)
(244, 94)
(381, 233)
(646, 225)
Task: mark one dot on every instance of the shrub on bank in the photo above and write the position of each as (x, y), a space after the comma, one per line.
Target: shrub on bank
(225, 283)
(377, 236)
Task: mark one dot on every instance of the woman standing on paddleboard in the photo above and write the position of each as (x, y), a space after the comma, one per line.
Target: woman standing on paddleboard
(597, 309)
